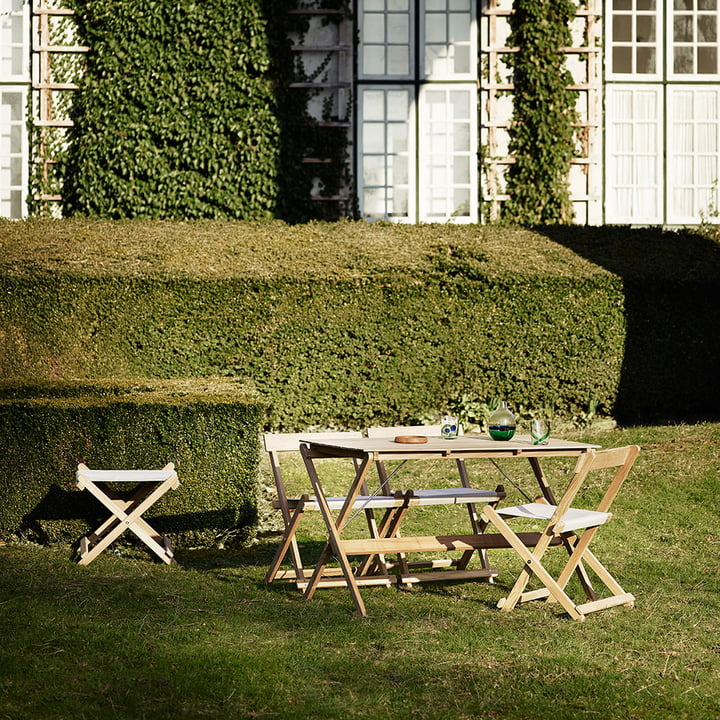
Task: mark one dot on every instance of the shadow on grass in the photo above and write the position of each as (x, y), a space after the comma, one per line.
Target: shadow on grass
(224, 564)
(68, 513)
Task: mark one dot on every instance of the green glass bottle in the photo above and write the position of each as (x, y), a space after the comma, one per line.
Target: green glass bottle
(502, 423)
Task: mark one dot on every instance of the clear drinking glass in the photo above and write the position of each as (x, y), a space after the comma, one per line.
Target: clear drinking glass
(540, 431)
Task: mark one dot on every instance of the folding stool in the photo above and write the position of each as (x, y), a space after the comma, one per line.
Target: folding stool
(126, 514)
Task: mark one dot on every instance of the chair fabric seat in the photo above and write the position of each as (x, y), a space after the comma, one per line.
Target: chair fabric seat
(437, 496)
(573, 519)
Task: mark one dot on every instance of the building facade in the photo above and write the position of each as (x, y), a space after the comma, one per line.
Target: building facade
(425, 90)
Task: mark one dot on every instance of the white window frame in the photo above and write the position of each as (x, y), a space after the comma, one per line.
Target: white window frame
(10, 159)
(417, 84)
(426, 187)
(670, 45)
(385, 42)
(471, 43)
(705, 193)
(14, 148)
(610, 72)
(388, 153)
(13, 43)
(640, 148)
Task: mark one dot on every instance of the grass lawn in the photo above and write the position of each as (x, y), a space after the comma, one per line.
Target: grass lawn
(128, 637)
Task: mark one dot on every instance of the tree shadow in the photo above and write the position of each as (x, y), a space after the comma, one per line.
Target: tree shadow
(672, 344)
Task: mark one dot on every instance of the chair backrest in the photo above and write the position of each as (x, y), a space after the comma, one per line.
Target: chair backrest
(290, 442)
(276, 443)
(621, 458)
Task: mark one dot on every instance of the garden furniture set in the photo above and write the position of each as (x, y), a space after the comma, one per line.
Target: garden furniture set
(490, 524)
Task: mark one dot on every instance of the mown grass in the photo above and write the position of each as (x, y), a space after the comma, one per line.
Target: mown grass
(127, 637)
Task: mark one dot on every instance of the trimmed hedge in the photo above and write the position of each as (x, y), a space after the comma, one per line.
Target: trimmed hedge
(208, 428)
(353, 324)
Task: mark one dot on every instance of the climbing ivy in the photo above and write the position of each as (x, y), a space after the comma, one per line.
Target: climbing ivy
(542, 131)
(176, 115)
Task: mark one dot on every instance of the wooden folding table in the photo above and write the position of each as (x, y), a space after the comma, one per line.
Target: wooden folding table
(368, 451)
(126, 514)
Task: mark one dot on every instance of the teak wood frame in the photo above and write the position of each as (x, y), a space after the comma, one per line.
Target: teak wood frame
(370, 451)
(563, 522)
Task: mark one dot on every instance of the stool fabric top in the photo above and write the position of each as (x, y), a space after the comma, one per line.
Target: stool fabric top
(126, 513)
(127, 475)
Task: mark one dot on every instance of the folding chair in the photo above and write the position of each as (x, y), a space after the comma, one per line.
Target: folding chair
(390, 525)
(293, 508)
(563, 521)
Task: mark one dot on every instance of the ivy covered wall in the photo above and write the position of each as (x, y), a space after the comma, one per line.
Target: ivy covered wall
(176, 114)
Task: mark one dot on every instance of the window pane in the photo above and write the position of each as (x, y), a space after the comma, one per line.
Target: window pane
(398, 29)
(461, 171)
(373, 105)
(461, 61)
(16, 138)
(374, 202)
(373, 60)
(683, 138)
(459, 26)
(683, 28)
(622, 4)
(708, 60)
(646, 5)
(374, 170)
(461, 203)
(397, 138)
(646, 60)
(435, 29)
(398, 203)
(622, 59)
(645, 31)
(374, 27)
(683, 60)
(373, 137)
(622, 28)
(707, 28)
(460, 105)
(461, 138)
(397, 101)
(398, 60)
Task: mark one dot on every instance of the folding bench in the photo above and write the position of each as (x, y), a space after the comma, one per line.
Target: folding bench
(126, 514)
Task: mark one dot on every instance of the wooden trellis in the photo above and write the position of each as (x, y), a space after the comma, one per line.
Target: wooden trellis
(496, 88)
(50, 119)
